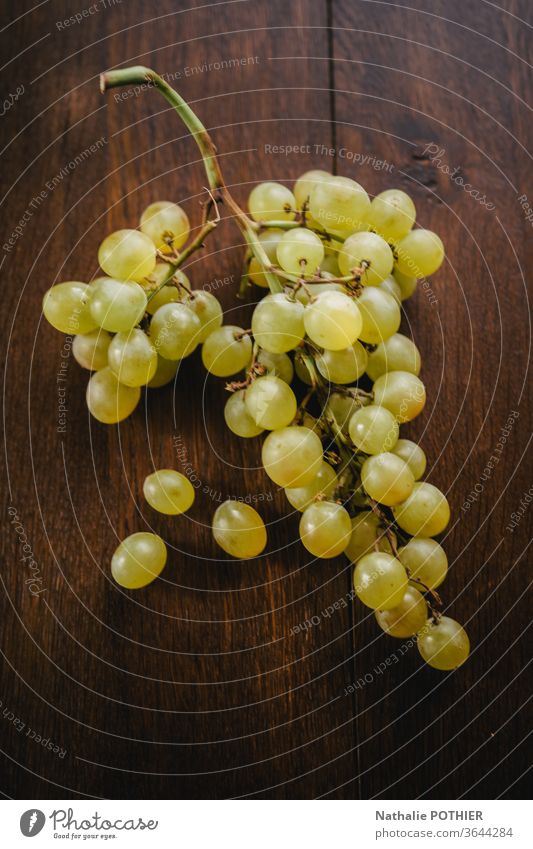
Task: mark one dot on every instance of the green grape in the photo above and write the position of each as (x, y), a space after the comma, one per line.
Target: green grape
(292, 456)
(226, 351)
(407, 619)
(305, 184)
(269, 240)
(425, 560)
(387, 479)
(374, 429)
(270, 402)
(115, 305)
(330, 265)
(380, 580)
(170, 293)
(90, 349)
(407, 284)
(367, 533)
(237, 417)
(343, 407)
(444, 644)
(175, 330)
(413, 455)
(366, 251)
(392, 214)
(127, 255)
(164, 373)
(323, 484)
(208, 310)
(397, 353)
(325, 529)
(425, 513)
(343, 366)
(380, 315)
(271, 202)
(166, 224)
(278, 323)
(133, 358)
(138, 560)
(302, 372)
(66, 307)
(420, 253)
(402, 393)
(168, 492)
(392, 287)
(300, 252)
(333, 321)
(339, 204)
(279, 365)
(239, 530)
(108, 400)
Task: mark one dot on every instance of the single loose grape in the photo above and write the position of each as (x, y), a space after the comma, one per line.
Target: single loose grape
(420, 253)
(369, 254)
(138, 560)
(425, 513)
(397, 353)
(239, 529)
(374, 429)
(380, 580)
(90, 349)
(271, 202)
(108, 400)
(279, 365)
(408, 618)
(301, 369)
(278, 323)
(333, 321)
(117, 305)
(175, 331)
(127, 255)
(425, 560)
(392, 214)
(380, 315)
(339, 204)
(166, 224)
(342, 407)
(387, 479)
(367, 533)
(269, 240)
(407, 284)
(343, 366)
(392, 287)
(237, 417)
(226, 351)
(292, 456)
(208, 310)
(323, 484)
(270, 402)
(133, 358)
(413, 455)
(164, 373)
(325, 529)
(170, 293)
(66, 307)
(300, 251)
(305, 184)
(444, 644)
(402, 393)
(168, 492)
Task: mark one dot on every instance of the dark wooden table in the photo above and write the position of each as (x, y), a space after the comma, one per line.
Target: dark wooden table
(202, 685)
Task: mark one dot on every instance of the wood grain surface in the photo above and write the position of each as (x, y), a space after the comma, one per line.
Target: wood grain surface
(202, 685)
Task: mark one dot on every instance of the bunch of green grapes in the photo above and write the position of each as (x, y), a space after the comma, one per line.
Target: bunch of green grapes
(323, 376)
